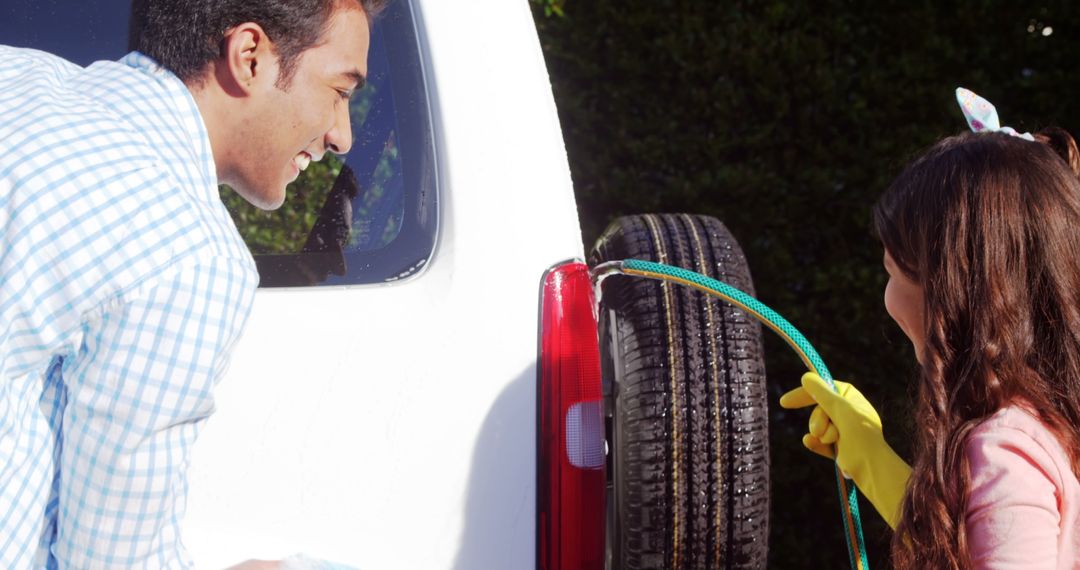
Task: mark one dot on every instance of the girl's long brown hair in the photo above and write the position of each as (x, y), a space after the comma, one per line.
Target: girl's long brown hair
(989, 225)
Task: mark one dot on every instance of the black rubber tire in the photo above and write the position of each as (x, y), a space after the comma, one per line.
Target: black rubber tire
(689, 462)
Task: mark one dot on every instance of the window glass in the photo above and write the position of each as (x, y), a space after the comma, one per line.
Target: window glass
(368, 217)
(80, 31)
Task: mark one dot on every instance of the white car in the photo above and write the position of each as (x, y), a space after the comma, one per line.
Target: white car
(419, 385)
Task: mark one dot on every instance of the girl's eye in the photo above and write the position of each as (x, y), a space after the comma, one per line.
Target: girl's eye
(344, 94)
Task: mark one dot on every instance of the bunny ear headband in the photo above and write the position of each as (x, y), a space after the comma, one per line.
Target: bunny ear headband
(982, 116)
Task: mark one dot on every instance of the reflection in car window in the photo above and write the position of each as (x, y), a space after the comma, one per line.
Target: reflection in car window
(368, 217)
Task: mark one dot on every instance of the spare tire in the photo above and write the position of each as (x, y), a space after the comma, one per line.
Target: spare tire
(685, 395)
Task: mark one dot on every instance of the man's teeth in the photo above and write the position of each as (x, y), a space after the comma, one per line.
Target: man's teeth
(302, 161)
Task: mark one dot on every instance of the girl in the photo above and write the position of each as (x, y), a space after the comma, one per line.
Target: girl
(982, 247)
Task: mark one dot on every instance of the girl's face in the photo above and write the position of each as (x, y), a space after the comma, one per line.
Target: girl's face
(904, 302)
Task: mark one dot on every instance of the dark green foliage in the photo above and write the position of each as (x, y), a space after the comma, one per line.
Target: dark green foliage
(550, 7)
(786, 120)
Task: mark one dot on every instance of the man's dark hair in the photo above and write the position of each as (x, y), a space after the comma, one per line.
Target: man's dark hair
(185, 35)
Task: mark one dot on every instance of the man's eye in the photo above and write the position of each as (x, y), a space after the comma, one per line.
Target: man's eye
(345, 94)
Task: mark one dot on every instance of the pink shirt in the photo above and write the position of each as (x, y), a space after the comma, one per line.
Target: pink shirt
(1024, 501)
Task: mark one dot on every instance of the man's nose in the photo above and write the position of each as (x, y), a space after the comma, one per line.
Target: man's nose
(339, 137)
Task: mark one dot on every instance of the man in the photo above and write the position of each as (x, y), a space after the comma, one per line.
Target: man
(123, 281)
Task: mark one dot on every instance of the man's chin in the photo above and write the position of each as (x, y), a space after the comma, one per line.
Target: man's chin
(271, 205)
(261, 199)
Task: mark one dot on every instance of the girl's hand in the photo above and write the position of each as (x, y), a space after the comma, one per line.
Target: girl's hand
(845, 427)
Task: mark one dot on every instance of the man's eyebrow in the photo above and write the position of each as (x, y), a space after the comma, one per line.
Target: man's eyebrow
(357, 78)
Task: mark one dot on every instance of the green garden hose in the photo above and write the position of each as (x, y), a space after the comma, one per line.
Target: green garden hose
(849, 503)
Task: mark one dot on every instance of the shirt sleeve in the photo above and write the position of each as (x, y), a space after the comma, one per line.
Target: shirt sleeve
(139, 390)
(1012, 517)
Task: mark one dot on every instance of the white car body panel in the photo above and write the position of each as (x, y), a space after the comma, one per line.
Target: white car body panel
(394, 426)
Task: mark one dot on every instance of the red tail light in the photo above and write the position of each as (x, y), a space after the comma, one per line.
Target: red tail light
(570, 483)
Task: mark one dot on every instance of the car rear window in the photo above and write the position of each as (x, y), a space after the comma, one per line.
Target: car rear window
(368, 217)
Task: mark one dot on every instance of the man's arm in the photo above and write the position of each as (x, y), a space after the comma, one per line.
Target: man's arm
(138, 392)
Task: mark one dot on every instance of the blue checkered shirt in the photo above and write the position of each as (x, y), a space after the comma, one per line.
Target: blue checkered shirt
(123, 286)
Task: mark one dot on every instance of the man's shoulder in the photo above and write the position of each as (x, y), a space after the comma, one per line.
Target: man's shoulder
(17, 60)
(30, 78)
(101, 127)
(47, 109)
(55, 93)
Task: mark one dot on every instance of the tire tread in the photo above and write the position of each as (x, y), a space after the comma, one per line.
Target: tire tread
(692, 455)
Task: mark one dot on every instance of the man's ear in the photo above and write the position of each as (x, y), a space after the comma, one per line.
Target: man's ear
(248, 58)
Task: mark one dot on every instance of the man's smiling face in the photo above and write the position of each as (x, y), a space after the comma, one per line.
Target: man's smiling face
(303, 120)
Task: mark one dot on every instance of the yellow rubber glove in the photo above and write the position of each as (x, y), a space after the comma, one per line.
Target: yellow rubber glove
(849, 421)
